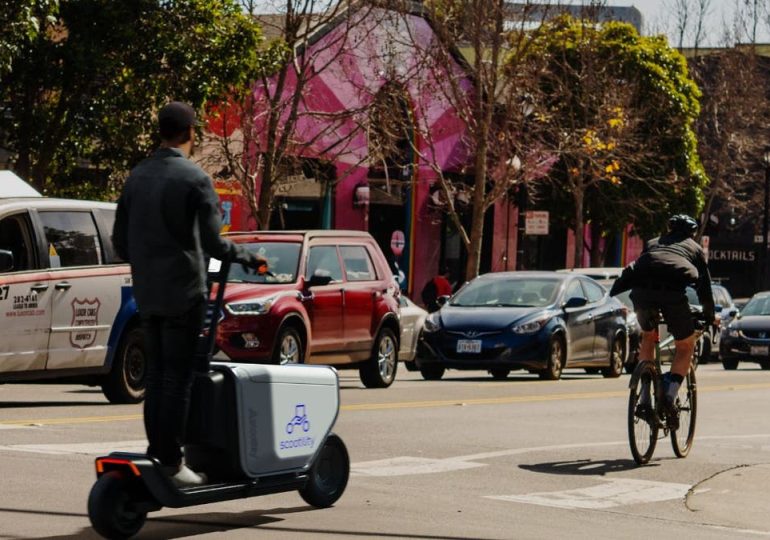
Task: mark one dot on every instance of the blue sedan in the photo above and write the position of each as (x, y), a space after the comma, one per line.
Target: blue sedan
(539, 321)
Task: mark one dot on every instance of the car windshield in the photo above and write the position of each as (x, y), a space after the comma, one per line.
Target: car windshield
(692, 297)
(759, 305)
(511, 292)
(282, 263)
(625, 298)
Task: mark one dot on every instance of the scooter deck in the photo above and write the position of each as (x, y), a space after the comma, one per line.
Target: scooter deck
(148, 472)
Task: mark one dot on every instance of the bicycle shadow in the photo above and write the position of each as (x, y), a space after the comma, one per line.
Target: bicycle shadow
(584, 467)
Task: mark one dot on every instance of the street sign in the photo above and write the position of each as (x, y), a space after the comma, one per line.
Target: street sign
(536, 222)
(397, 242)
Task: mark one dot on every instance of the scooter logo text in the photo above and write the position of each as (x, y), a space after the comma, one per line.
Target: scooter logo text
(299, 424)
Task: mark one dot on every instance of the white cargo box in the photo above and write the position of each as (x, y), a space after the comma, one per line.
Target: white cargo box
(284, 413)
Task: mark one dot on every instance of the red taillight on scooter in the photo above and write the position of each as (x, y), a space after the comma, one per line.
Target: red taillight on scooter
(101, 462)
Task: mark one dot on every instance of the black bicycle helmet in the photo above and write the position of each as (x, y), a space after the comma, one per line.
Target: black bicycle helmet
(682, 223)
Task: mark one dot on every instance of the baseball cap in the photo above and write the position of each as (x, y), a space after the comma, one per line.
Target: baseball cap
(176, 117)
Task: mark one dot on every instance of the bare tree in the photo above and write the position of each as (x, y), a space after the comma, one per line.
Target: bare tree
(277, 123)
(680, 10)
(463, 70)
(700, 26)
(733, 128)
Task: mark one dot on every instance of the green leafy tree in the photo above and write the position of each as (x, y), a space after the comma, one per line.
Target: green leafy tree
(21, 21)
(617, 110)
(85, 90)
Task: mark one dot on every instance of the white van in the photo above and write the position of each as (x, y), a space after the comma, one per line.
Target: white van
(66, 304)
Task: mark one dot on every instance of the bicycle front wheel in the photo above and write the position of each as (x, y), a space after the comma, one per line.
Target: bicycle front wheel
(687, 403)
(642, 423)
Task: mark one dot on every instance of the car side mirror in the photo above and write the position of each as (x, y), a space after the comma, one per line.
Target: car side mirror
(442, 300)
(319, 279)
(575, 302)
(732, 312)
(6, 260)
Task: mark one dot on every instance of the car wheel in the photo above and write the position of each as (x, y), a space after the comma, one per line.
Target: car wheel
(617, 354)
(288, 347)
(125, 383)
(499, 374)
(555, 360)
(411, 366)
(705, 351)
(730, 364)
(380, 370)
(631, 366)
(432, 372)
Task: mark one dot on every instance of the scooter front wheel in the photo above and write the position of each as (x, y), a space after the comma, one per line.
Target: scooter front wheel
(328, 476)
(112, 511)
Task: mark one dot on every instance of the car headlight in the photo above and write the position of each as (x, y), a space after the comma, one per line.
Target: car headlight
(733, 332)
(530, 327)
(251, 307)
(432, 323)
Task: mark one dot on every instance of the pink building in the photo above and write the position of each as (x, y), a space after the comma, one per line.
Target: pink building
(374, 79)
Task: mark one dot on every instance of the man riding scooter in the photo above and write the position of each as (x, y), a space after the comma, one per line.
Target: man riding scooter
(167, 219)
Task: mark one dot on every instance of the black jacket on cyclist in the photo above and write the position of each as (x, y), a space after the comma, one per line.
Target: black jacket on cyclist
(669, 263)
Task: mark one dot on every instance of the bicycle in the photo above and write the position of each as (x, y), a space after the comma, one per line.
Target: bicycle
(646, 421)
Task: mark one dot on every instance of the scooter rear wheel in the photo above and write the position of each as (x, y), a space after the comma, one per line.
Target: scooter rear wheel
(328, 476)
(111, 509)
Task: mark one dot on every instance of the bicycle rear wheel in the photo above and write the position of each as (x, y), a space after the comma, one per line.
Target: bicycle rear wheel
(687, 401)
(642, 423)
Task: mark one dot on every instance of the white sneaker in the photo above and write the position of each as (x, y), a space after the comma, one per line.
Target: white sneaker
(186, 477)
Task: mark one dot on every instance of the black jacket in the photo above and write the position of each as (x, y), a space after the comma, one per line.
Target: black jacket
(674, 260)
(167, 218)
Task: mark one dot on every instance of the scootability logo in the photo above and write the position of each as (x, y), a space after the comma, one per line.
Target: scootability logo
(299, 424)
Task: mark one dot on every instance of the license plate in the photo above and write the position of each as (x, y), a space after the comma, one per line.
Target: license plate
(759, 350)
(469, 345)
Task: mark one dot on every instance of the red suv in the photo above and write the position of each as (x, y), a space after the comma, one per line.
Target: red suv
(329, 298)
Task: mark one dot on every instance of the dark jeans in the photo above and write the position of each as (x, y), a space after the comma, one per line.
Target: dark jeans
(171, 346)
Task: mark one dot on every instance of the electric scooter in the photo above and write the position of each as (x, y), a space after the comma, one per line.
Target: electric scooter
(253, 430)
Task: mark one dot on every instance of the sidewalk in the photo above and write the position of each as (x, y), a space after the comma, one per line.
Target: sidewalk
(734, 498)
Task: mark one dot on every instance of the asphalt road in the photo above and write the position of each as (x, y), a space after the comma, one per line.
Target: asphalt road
(464, 457)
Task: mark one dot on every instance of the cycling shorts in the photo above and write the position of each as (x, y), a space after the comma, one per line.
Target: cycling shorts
(673, 304)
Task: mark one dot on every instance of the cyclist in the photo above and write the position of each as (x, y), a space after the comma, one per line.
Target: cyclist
(658, 279)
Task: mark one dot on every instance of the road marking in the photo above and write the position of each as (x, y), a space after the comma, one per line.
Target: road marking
(12, 426)
(402, 404)
(70, 420)
(87, 449)
(609, 494)
(406, 465)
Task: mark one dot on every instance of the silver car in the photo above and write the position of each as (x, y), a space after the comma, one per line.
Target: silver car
(412, 319)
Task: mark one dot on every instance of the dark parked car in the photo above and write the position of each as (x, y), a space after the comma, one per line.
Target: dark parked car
(539, 321)
(747, 337)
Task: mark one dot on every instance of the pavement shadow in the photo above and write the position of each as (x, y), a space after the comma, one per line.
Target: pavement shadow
(43, 404)
(168, 528)
(162, 528)
(584, 467)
